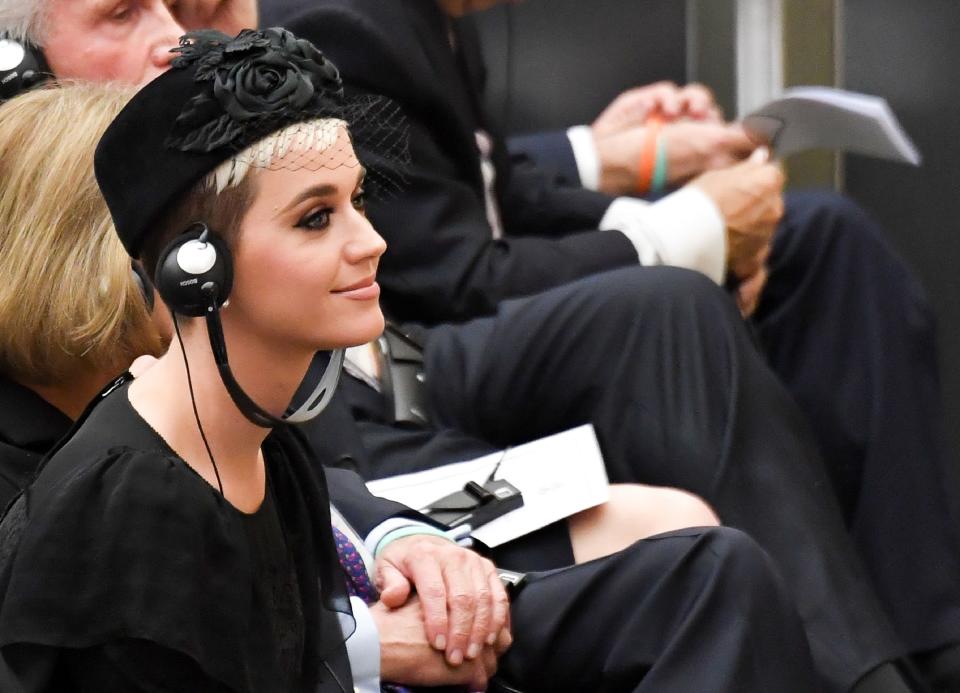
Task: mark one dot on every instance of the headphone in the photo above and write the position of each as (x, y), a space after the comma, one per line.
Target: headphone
(195, 272)
(22, 66)
(194, 277)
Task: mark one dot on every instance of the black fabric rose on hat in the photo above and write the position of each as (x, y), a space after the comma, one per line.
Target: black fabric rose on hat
(222, 95)
(258, 79)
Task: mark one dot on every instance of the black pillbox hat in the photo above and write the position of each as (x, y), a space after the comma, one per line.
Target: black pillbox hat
(221, 95)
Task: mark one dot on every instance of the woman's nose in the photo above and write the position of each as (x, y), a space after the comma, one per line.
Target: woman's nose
(366, 243)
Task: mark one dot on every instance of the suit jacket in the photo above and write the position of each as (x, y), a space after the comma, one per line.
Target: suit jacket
(550, 151)
(442, 262)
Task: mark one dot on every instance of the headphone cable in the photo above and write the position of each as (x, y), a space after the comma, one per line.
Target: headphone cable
(193, 402)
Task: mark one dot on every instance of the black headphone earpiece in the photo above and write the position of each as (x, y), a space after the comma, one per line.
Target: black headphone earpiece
(195, 272)
(22, 66)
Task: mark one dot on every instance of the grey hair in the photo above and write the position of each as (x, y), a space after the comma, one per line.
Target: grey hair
(24, 20)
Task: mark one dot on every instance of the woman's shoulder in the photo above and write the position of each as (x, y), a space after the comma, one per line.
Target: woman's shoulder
(112, 515)
(113, 458)
(122, 480)
(129, 543)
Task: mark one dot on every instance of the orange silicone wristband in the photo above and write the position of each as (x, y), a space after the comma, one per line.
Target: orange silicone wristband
(648, 154)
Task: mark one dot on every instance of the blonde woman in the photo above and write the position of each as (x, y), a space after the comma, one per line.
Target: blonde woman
(73, 316)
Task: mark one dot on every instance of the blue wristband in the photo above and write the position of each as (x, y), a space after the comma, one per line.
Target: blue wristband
(408, 531)
(659, 181)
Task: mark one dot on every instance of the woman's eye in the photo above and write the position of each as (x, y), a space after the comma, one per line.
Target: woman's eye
(317, 219)
(360, 201)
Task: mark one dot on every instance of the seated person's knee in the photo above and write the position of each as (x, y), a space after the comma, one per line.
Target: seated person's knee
(635, 512)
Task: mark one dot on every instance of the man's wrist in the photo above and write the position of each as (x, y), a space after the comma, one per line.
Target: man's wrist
(418, 529)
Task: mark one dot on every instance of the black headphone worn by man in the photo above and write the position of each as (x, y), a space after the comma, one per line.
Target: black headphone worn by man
(194, 277)
(22, 66)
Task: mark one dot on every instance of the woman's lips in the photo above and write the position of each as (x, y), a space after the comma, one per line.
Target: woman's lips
(363, 290)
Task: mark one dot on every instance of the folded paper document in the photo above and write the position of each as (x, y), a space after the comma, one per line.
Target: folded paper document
(825, 118)
(559, 475)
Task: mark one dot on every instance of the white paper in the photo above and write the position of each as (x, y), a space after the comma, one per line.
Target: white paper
(559, 476)
(826, 118)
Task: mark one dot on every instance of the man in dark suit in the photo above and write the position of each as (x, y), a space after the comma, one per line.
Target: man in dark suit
(587, 351)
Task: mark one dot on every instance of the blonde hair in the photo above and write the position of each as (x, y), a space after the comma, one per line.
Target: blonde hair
(68, 300)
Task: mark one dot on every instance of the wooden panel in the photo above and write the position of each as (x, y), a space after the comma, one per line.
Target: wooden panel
(809, 58)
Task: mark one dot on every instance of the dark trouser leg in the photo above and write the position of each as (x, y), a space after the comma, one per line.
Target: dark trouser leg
(660, 362)
(850, 333)
(694, 610)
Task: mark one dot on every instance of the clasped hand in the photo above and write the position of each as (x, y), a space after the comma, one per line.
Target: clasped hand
(443, 614)
(721, 158)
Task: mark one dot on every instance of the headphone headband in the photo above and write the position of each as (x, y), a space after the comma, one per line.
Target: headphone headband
(314, 404)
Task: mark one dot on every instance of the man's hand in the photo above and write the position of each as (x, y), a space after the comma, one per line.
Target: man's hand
(692, 148)
(670, 102)
(406, 655)
(228, 16)
(749, 195)
(465, 606)
(750, 290)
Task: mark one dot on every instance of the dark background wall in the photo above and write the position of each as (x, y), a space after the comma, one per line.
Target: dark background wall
(545, 53)
(910, 53)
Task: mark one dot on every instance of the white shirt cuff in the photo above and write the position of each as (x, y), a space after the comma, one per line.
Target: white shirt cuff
(585, 154)
(363, 649)
(683, 229)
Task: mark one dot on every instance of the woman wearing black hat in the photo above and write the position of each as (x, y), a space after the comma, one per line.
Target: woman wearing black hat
(172, 544)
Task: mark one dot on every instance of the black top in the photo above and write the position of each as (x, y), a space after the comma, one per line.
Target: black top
(121, 569)
(29, 428)
(275, 588)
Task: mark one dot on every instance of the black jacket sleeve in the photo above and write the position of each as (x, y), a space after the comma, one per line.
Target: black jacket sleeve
(442, 262)
(550, 151)
(359, 507)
